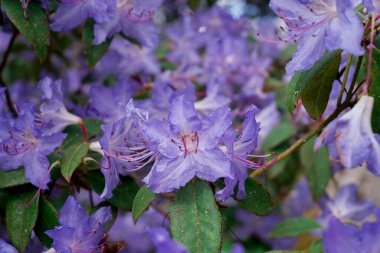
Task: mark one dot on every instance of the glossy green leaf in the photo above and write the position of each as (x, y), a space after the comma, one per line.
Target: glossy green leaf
(92, 127)
(374, 90)
(124, 193)
(317, 167)
(20, 220)
(72, 158)
(315, 95)
(294, 227)
(141, 202)
(195, 220)
(92, 52)
(279, 134)
(323, 73)
(47, 219)
(34, 28)
(316, 247)
(12, 178)
(258, 200)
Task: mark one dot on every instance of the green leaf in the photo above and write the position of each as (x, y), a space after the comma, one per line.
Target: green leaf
(279, 134)
(374, 90)
(284, 251)
(12, 178)
(92, 127)
(92, 52)
(123, 194)
(258, 200)
(47, 219)
(141, 202)
(194, 4)
(72, 158)
(294, 227)
(20, 220)
(323, 73)
(316, 247)
(34, 28)
(292, 94)
(195, 220)
(315, 95)
(317, 167)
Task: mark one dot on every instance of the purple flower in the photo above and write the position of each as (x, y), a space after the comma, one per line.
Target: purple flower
(135, 235)
(72, 13)
(121, 53)
(53, 113)
(6, 248)
(108, 103)
(372, 5)
(25, 145)
(237, 248)
(345, 206)
(132, 17)
(350, 138)
(240, 150)
(348, 238)
(79, 232)
(122, 148)
(186, 147)
(163, 242)
(318, 26)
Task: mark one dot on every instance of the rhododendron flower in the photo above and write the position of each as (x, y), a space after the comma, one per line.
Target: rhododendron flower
(79, 232)
(163, 242)
(7, 248)
(186, 146)
(349, 238)
(133, 18)
(240, 150)
(318, 26)
(72, 13)
(23, 144)
(53, 113)
(346, 206)
(350, 138)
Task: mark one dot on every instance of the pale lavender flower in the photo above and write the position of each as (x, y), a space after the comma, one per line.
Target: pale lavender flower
(348, 238)
(240, 150)
(78, 232)
(318, 26)
(121, 53)
(163, 242)
(122, 148)
(108, 103)
(187, 147)
(350, 138)
(23, 144)
(7, 248)
(133, 19)
(72, 13)
(372, 5)
(346, 206)
(53, 113)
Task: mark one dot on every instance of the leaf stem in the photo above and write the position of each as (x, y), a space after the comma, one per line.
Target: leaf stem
(370, 46)
(340, 108)
(346, 71)
(10, 104)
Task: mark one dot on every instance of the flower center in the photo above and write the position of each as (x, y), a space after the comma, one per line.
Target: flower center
(190, 143)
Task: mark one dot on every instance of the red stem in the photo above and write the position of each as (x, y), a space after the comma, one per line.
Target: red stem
(84, 131)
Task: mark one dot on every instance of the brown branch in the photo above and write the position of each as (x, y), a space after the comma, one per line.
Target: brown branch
(8, 97)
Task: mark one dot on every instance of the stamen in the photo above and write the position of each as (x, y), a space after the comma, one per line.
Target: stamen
(56, 163)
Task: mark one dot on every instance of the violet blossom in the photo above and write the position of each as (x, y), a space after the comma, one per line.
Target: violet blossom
(318, 26)
(163, 242)
(78, 232)
(72, 13)
(350, 138)
(186, 146)
(24, 144)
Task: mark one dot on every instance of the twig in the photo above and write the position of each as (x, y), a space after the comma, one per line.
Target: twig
(2, 83)
(346, 71)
